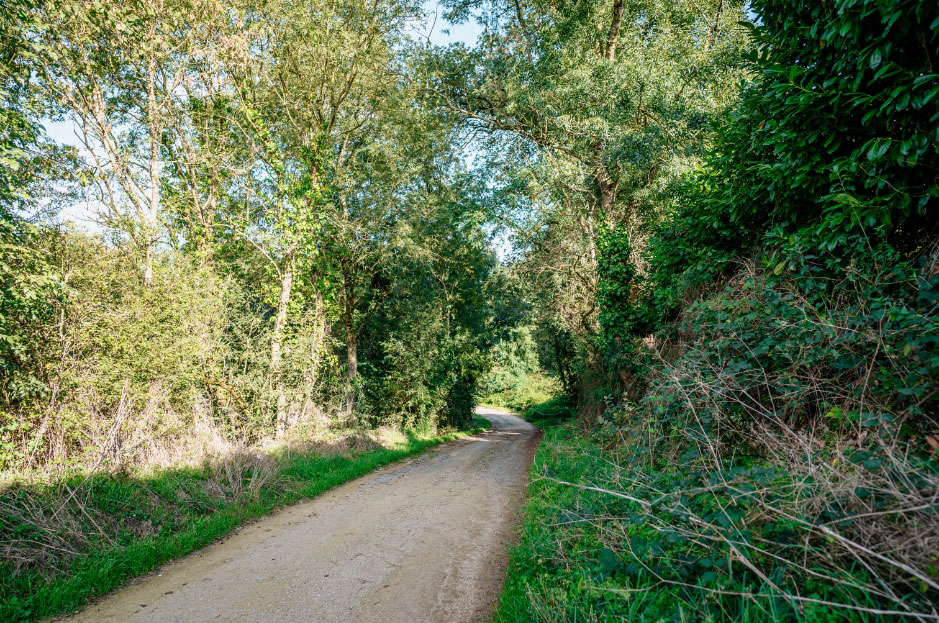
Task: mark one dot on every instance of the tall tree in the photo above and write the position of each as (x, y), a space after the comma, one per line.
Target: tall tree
(593, 112)
(116, 68)
(311, 78)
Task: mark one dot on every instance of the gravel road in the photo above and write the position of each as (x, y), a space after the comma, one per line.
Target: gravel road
(420, 540)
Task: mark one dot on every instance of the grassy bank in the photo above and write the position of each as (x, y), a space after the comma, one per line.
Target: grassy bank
(75, 539)
(589, 555)
(566, 566)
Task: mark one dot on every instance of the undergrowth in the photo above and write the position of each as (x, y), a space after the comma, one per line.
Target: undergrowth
(73, 539)
(599, 544)
(532, 390)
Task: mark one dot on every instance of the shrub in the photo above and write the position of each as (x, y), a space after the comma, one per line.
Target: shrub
(789, 429)
(830, 153)
(780, 426)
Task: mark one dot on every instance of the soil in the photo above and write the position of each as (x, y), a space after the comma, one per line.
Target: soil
(424, 539)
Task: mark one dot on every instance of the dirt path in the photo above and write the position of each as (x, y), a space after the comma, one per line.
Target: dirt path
(420, 540)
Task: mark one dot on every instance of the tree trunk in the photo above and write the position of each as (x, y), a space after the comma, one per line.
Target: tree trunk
(277, 376)
(352, 365)
(148, 265)
(311, 376)
(613, 34)
(559, 357)
(352, 355)
(607, 192)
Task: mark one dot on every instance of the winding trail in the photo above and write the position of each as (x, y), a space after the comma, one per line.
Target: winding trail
(420, 540)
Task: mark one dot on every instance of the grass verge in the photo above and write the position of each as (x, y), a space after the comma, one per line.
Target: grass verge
(588, 556)
(563, 569)
(141, 522)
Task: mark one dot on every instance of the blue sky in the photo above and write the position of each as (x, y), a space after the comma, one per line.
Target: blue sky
(458, 33)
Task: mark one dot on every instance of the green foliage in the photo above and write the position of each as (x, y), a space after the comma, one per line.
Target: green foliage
(114, 346)
(29, 290)
(516, 379)
(423, 348)
(777, 392)
(573, 563)
(587, 555)
(514, 358)
(763, 366)
(830, 152)
(850, 116)
(616, 276)
(593, 113)
(19, 128)
(872, 334)
(525, 391)
(269, 214)
(549, 412)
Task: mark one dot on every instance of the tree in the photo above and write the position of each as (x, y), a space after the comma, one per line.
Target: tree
(116, 68)
(593, 112)
(310, 78)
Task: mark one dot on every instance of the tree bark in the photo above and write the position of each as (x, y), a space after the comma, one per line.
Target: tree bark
(277, 338)
(607, 191)
(613, 35)
(352, 365)
(560, 361)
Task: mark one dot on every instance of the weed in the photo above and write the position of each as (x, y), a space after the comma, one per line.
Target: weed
(599, 544)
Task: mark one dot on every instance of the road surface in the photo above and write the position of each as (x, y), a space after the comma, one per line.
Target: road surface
(420, 540)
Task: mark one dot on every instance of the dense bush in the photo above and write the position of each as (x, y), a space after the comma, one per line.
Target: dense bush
(616, 277)
(101, 367)
(29, 288)
(830, 153)
(125, 372)
(774, 417)
(516, 377)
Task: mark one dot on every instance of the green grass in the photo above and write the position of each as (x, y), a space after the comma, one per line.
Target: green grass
(574, 562)
(184, 509)
(562, 570)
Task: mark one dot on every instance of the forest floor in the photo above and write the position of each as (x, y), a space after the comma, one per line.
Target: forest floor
(420, 540)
